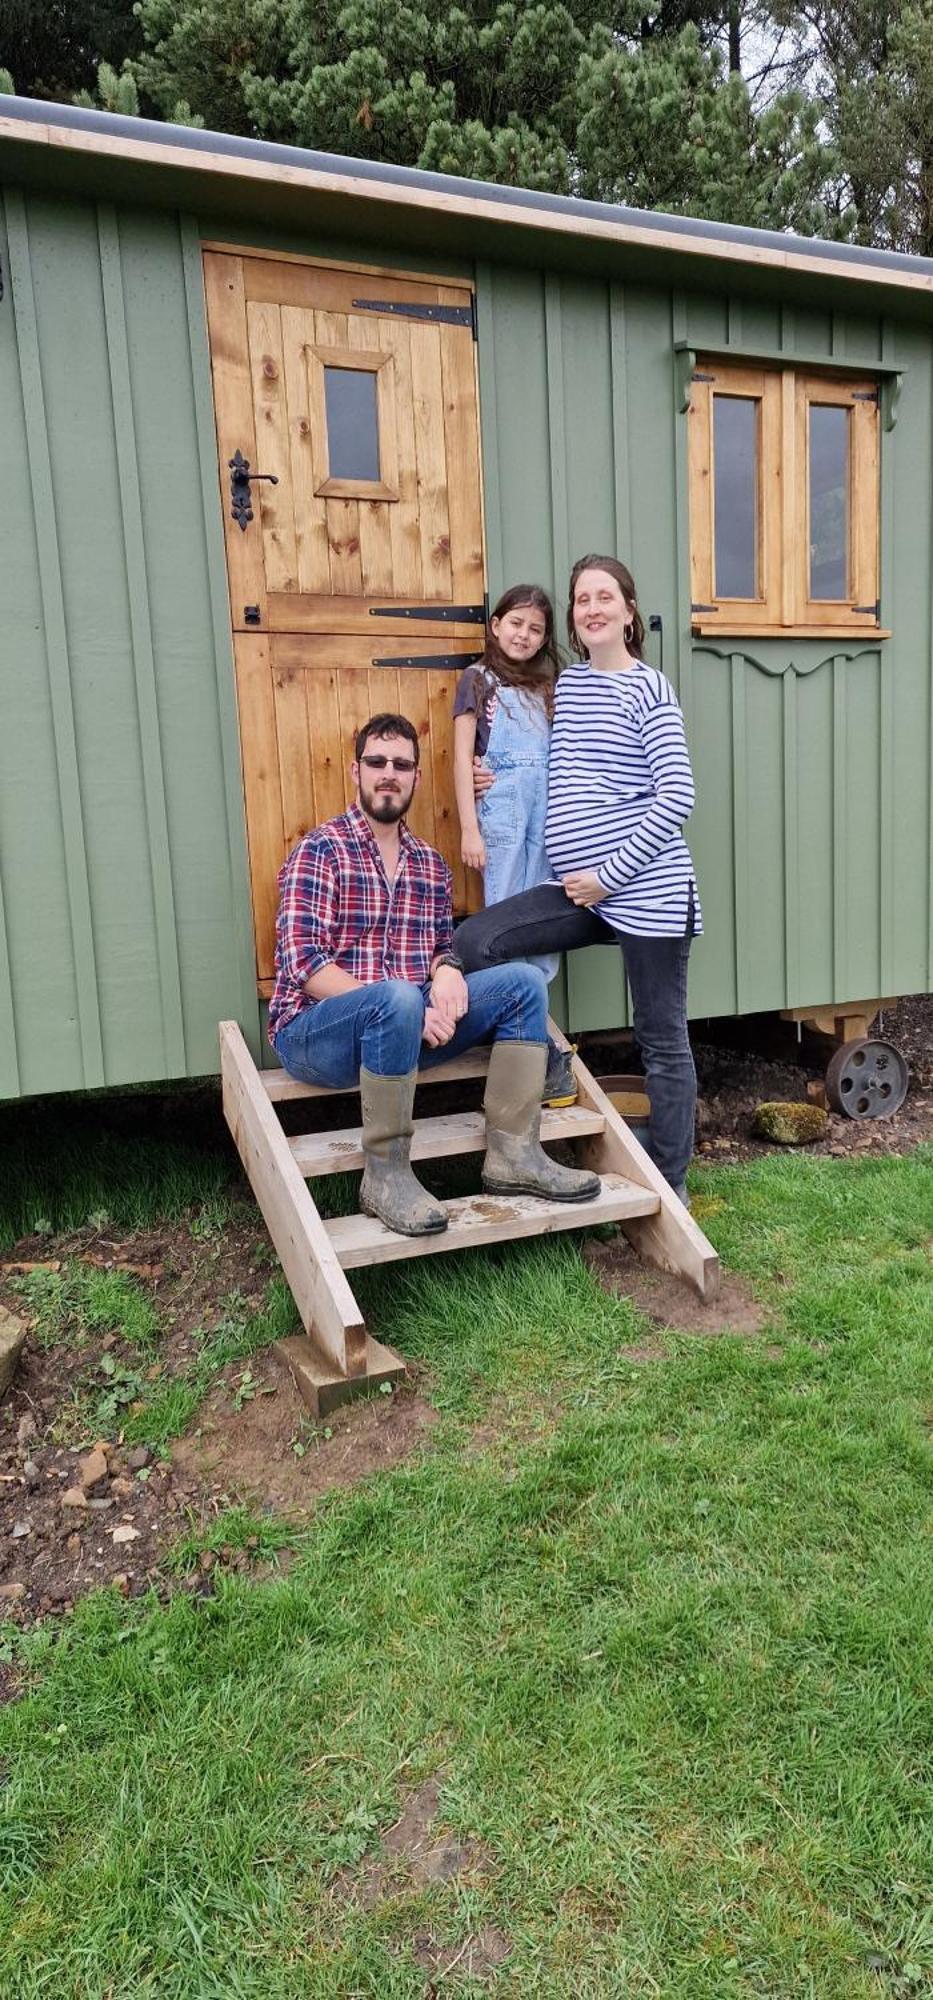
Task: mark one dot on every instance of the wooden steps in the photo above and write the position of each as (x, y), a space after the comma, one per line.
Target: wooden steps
(317, 1153)
(487, 1218)
(336, 1357)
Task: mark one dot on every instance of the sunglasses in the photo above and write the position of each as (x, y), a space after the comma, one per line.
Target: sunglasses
(382, 763)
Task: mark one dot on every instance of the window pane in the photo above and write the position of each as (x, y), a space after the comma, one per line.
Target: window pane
(735, 498)
(352, 423)
(829, 501)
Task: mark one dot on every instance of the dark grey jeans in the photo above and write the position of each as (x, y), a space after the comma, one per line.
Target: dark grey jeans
(543, 920)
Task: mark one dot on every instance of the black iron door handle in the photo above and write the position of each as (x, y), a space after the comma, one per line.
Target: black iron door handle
(241, 506)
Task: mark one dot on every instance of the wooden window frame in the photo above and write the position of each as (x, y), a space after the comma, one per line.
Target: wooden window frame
(784, 604)
(375, 361)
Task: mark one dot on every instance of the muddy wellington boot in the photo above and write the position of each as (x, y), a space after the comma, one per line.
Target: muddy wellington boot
(516, 1162)
(389, 1189)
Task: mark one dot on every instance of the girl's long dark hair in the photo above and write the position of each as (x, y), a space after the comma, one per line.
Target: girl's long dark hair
(623, 577)
(539, 673)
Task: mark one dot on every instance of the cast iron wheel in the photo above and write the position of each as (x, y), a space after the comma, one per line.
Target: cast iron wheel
(867, 1080)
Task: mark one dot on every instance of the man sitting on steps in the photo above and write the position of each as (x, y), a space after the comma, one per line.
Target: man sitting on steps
(367, 989)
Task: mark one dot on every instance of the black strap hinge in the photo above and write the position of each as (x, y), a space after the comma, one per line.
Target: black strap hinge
(435, 315)
(865, 396)
(869, 610)
(430, 660)
(704, 607)
(445, 614)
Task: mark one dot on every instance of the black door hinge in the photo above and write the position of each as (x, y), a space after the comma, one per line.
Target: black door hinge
(869, 610)
(704, 607)
(429, 660)
(446, 614)
(865, 396)
(252, 614)
(435, 315)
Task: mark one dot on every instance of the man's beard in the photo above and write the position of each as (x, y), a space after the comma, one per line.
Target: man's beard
(385, 807)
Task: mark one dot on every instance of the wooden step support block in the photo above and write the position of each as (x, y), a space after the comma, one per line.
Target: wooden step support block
(324, 1390)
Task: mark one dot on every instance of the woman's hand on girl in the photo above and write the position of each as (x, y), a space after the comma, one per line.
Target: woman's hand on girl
(584, 888)
(473, 849)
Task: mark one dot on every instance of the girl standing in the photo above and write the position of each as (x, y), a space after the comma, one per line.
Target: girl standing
(502, 715)
(620, 790)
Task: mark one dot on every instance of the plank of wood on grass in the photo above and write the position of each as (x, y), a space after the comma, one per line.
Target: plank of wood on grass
(328, 1309)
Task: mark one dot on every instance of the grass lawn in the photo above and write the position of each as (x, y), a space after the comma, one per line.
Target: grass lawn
(660, 1635)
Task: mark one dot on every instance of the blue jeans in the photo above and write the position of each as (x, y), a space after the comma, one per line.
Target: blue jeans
(379, 1027)
(656, 968)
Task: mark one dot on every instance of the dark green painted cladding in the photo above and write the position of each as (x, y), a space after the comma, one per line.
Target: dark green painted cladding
(122, 852)
(124, 903)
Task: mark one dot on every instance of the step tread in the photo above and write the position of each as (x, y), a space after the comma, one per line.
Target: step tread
(434, 1138)
(280, 1087)
(488, 1218)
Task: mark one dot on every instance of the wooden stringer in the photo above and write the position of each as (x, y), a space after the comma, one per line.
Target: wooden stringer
(336, 1358)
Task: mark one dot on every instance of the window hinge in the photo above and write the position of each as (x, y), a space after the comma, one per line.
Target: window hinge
(698, 377)
(869, 610)
(704, 607)
(865, 396)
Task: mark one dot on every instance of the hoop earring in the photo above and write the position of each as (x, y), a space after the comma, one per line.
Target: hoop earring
(628, 632)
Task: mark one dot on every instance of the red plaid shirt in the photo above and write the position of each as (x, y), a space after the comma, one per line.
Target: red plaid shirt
(336, 907)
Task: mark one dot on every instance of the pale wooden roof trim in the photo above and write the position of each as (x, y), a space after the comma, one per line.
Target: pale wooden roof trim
(315, 180)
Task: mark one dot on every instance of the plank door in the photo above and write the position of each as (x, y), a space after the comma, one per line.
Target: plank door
(356, 571)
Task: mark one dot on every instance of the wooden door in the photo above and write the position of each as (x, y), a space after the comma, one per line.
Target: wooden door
(357, 578)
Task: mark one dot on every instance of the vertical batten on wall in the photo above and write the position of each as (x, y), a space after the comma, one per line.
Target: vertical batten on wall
(740, 807)
(793, 885)
(56, 642)
(557, 429)
(224, 680)
(618, 391)
(150, 744)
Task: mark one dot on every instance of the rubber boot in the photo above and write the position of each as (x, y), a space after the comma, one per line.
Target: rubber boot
(389, 1189)
(515, 1161)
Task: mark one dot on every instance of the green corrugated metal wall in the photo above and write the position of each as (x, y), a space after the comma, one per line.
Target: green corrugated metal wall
(124, 904)
(813, 833)
(125, 931)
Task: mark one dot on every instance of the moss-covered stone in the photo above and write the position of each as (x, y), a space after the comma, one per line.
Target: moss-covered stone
(790, 1124)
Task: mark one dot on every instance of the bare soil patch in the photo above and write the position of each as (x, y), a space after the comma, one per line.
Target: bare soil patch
(251, 1451)
(81, 1504)
(416, 1853)
(670, 1303)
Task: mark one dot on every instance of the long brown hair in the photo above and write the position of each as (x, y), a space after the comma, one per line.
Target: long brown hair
(613, 567)
(538, 674)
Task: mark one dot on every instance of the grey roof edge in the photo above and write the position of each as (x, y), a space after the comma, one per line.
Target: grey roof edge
(565, 209)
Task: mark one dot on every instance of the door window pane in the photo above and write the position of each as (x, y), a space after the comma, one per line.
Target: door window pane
(352, 423)
(735, 495)
(829, 500)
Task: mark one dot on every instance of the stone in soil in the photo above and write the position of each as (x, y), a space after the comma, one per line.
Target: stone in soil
(792, 1124)
(92, 1470)
(75, 1496)
(12, 1341)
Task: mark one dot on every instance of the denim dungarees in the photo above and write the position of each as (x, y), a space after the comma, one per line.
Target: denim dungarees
(512, 813)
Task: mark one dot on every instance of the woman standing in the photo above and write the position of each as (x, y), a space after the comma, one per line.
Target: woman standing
(620, 790)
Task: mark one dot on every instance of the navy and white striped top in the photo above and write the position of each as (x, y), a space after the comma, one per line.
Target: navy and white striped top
(619, 791)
